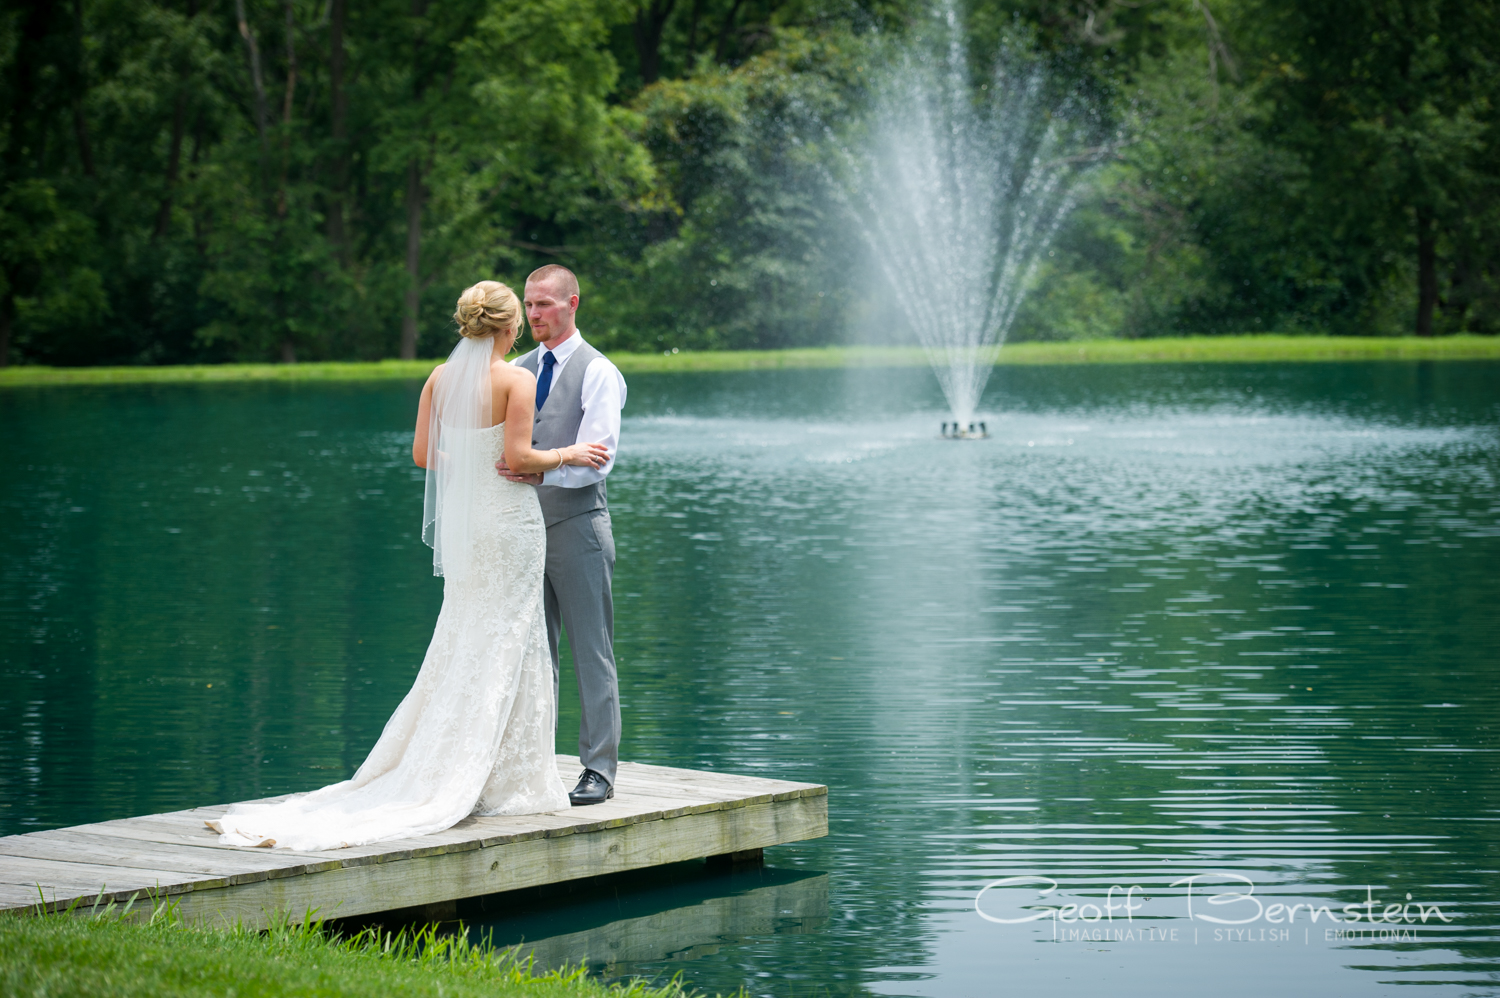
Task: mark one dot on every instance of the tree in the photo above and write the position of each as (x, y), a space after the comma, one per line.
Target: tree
(1390, 103)
(299, 179)
(41, 235)
(742, 250)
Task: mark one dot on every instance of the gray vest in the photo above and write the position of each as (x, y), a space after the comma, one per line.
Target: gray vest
(557, 425)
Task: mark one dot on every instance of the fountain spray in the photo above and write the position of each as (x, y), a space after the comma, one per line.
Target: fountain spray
(958, 190)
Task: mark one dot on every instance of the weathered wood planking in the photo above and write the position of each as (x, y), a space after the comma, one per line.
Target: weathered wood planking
(658, 815)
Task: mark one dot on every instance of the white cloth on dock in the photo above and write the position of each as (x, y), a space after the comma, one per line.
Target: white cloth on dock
(475, 735)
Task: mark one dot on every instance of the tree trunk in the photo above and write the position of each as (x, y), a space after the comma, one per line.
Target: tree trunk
(200, 227)
(721, 51)
(7, 307)
(288, 351)
(692, 44)
(174, 160)
(286, 112)
(340, 114)
(291, 69)
(414, 196)
(81, 86)
(255, 75)
(174, 152)
(650, 21)
(23, 70)
(1427, 285)
(81, 129)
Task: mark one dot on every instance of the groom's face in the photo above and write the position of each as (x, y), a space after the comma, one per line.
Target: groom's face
(549, 311)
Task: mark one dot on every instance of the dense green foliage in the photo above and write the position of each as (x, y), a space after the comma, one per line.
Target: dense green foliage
(204, 180)
(61, 956)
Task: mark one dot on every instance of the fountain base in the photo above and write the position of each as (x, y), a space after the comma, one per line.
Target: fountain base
(956, 431)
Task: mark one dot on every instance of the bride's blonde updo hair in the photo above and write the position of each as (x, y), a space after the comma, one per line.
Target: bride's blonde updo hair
(486, 309)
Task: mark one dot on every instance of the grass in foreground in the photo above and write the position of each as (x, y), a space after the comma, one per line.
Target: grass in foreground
(1259, 348)
(61, 956)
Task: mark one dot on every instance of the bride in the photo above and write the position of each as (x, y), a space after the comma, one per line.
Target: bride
(475, 734)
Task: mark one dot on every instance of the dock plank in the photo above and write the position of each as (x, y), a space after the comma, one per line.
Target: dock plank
(16, 898)
(147, 833)
(66, 845)
(658, 815)
(82, 878)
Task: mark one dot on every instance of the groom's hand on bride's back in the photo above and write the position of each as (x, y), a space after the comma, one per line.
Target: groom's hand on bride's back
(512, 476)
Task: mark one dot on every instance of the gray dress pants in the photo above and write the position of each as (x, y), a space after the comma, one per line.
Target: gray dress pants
(578, 597)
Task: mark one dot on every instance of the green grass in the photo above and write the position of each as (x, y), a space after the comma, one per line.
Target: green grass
(61, 956)
(1193, 349)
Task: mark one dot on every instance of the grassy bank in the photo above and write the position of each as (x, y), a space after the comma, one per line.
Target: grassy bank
(62, 957)
(1195, 349)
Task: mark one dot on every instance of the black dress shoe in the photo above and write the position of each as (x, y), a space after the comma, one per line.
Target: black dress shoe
(592, 789)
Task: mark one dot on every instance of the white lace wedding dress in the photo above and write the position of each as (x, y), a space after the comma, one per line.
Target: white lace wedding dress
(475, 734)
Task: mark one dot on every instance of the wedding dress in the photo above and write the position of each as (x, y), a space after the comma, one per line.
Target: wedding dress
(475, 735)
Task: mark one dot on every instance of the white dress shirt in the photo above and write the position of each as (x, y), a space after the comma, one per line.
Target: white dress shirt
(603, 398)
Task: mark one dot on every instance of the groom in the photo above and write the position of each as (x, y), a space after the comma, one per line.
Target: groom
(579, 394)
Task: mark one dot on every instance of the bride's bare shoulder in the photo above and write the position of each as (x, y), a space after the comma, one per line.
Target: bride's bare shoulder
(508, 372)
(508, 382)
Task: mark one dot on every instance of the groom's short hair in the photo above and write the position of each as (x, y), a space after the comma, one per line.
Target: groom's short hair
(566, 280)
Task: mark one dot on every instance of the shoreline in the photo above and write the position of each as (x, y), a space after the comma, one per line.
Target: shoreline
(1267, 348)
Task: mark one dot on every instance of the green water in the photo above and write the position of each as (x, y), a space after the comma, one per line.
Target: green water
(1169, 621)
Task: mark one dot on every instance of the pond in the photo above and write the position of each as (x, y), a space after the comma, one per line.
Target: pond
(1177, 643)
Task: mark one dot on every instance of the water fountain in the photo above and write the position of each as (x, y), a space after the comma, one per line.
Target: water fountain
(957, 431)
(958, 187)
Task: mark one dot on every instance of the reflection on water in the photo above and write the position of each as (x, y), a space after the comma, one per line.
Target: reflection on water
(673, 914)
(1168, 622)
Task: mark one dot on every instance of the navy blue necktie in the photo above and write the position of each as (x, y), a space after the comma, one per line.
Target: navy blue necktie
(544, 383)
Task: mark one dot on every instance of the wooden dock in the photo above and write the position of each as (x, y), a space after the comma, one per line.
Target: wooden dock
(659, 815)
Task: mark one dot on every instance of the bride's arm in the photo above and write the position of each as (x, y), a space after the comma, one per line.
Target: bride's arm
(424, 418)
(520, 456)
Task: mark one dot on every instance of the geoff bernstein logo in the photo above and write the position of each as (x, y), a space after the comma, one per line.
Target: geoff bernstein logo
(1242, 916)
